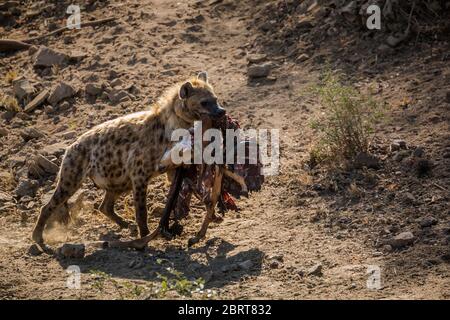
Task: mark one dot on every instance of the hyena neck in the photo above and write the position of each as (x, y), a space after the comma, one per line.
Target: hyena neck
(168, 112)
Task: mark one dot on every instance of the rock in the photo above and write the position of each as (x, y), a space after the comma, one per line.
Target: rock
(398, 145)
(315, 270)
(278, 257)
(116, 97)
(40, 166)
(402, 154)
(60, 92)
(246, 265)
(31, 133)
(259, 71)
(428, 221)
(37, 101)
(363, 159)
(56, 149)
(274, 265)
(256, 58)
(69, 135)
(46, 57)
(93, 89)
(3, 132)
(302, 57)
(75, 251)
(116, 83)
(408, 198)
(64, 106)
(27, 187)
(387, 248)
(403, 239)
(22, 89)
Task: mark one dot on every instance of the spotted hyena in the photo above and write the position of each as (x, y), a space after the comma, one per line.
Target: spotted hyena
(124, 154)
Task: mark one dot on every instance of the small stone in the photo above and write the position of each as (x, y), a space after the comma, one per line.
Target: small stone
(46, 57)
(75, 251)
(37, 101)
(31, 133)
(60, 92)
(402, 154)
(403, 239)
(274, 265)
(278, 257)
(56, 149)
(302, 57)
(116, 83)
(3, 132)
(69, 135)
(27, 187)
(256, 58)
(387, 248)
(315, 270)
(246, 265)
(259, 71)
(93, 89)
(428, 221)
(363, 159)
(22, 89)
(408, 198)
(398, 145)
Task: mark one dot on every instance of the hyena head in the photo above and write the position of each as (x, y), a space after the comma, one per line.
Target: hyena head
(199, 100)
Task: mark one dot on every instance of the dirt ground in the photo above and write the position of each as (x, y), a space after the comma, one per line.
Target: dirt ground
(309, 234)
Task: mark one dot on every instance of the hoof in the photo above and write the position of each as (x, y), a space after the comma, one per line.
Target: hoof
(176, 229)
(166, 233)
(192, 241)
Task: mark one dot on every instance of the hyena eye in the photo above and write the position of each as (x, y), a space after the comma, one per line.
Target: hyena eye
(205, 103)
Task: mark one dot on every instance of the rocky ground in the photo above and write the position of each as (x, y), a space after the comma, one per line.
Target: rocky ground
(311, 233)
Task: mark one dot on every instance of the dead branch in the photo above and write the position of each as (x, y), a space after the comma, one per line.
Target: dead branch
(12, 45)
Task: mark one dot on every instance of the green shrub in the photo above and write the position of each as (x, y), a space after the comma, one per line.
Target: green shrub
(347, 125)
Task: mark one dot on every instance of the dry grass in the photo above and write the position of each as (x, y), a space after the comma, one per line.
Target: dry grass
(9, 103)
(10, 76)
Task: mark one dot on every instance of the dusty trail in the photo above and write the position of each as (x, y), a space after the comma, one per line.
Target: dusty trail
(274, 230)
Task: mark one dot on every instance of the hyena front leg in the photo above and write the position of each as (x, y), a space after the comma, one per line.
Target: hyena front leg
(210, 207)
(140, 205)
(107, 208)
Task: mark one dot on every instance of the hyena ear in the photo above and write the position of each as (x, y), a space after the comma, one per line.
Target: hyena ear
(203, 76)
(185, 90)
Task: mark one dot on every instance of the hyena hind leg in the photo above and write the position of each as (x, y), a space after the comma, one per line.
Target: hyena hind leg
(107, 208)
(69, 181)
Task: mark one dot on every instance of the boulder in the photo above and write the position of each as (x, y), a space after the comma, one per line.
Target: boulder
(75, 251)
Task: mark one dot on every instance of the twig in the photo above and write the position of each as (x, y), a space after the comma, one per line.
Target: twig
(440, 187)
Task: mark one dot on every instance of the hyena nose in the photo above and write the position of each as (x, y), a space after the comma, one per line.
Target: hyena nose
(219, 112)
